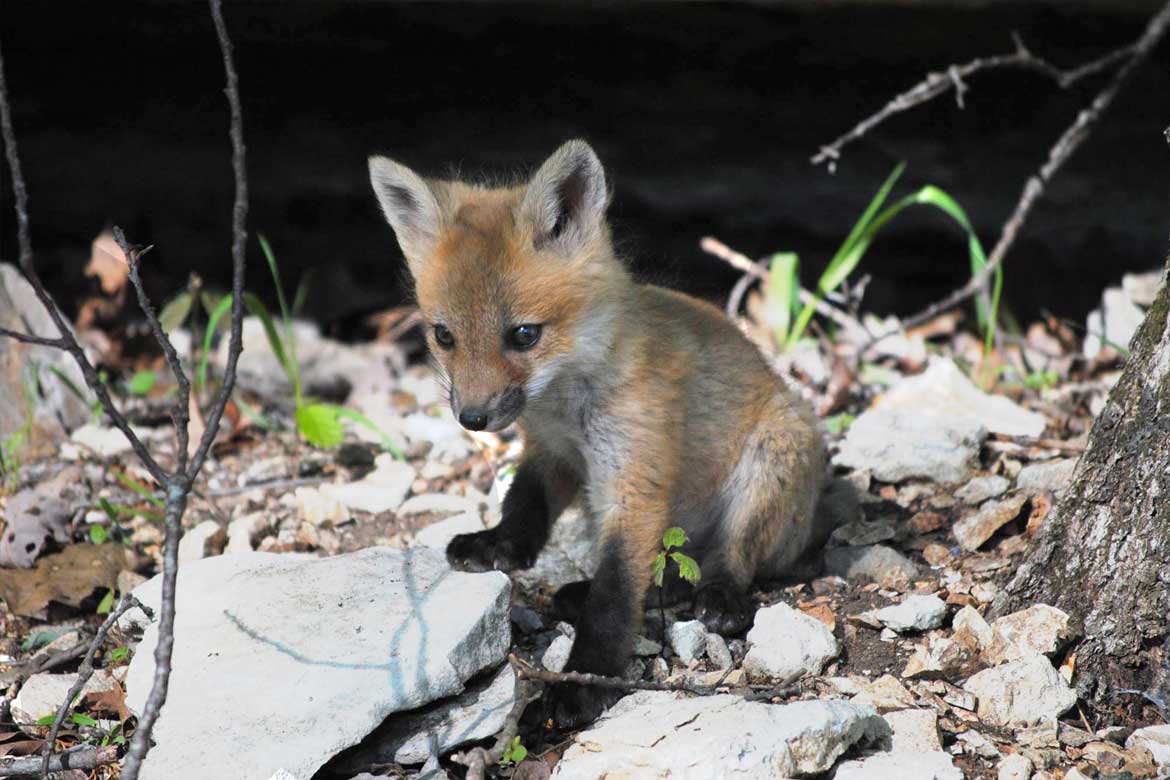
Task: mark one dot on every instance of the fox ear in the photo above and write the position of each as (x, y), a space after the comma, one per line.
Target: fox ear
(565, 201)
(410, 207)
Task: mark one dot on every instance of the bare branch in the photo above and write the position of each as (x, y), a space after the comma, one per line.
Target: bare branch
(83, 674)
(1060, 152)
(601, 681)
(82, 757)
(29, 338)
(753, 270)
(952, 78)
(67, 341)
(179, 488)
(239, 241)
(181, 412)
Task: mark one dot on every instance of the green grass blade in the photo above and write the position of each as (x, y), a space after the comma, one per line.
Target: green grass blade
(361, 419)
(271, 258)
(845, 260)
(213, 318)
(780, 293)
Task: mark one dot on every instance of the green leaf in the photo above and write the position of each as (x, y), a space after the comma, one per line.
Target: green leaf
(320, 425)
(361, 419)
(175, 312)
(83, 720)
(781, 294)
(99, 534)
(688, 569)
(106, 605)
(110, 510)
(515, 753)
(674, 537)
(659, 568)
(839, 423)
(142, 382)
(46, 720)
(120, 653)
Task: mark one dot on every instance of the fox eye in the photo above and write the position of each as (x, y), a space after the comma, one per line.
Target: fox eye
(444, 336)
(524, 336)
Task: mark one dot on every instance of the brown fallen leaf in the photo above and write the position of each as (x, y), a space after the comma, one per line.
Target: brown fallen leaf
(821, 612)
(108, 263)
(67, 577)
(111, 701)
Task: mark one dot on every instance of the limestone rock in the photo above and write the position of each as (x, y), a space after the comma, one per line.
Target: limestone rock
(42, 694)
(656, 734)
(205, 539)
(903, 444)
(297, 658)
(439, 534)
(1155, 739)
(1039, 629)
(688, 639)
(901, 766)
(1054, 476)
(980, 489)
(876, 563)
(718, 652)
(404, 737)
(914, 731)
(1014, 767)
(1021, 693)
(884, 694)
(55, 409)
(915, 613)
(975, 529)
(945, 391)
(383, 489)
(787, 644)
(557, 654)
(569, 556)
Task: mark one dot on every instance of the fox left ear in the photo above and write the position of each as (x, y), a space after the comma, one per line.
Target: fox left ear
(410, 207)
(566, 199)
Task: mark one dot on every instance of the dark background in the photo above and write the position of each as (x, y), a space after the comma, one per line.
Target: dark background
(705, 116)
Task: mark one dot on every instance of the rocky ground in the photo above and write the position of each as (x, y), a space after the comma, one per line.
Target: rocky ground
(320, 633)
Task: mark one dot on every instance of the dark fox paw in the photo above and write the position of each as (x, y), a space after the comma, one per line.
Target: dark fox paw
(723, 610)
(488, 550)
(572, 706)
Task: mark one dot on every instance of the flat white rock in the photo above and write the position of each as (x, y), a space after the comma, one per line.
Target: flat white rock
(297, 658)
(942, 390)
(914, 731)
(383, 489)
(980, 489)
(915, 613)
(439, 534)
(658, 734)
(1021, 693)
(898, 444)
(901, 766)
(787, 644)
(1054, 476)
(1155, 739)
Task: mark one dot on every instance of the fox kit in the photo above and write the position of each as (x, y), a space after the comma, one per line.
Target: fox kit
(646, 406)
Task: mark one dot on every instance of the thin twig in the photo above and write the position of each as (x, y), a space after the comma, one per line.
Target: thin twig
(276, 484)
(84, 672)
(952, 78)
(1060, 152)
(752, 269)
(82, 757)
(178, 490)
(181, 411)
(67, 341)
(29, 338)
(478, 759)
(601, 681)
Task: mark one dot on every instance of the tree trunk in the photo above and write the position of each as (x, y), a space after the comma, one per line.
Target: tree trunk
(1104, 554)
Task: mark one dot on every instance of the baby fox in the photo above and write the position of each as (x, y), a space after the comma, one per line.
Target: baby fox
(646, 406)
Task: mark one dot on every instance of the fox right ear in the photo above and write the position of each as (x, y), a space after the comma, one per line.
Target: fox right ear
(410, 207)
(565, 200)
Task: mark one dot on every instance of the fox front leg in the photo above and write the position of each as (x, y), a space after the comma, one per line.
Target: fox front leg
(540, 491)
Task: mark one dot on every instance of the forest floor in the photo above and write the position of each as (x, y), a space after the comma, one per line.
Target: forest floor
(947, 513)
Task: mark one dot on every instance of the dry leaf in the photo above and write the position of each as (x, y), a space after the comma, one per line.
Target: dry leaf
(108, 263)
(67, 577)
(110, 701)
(822, 613)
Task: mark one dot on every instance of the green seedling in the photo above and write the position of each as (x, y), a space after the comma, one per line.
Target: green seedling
(515, 753)
(688, 568)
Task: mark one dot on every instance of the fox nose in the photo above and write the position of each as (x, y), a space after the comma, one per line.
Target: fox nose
(473, 419)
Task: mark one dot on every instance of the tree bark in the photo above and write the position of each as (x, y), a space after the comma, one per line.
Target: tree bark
(1104, 554)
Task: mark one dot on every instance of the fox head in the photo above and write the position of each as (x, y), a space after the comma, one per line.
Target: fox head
(513, 283)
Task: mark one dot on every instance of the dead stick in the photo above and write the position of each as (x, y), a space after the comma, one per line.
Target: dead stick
(1060, 152)
(941, 82)
(84, 673)
(83, 757)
